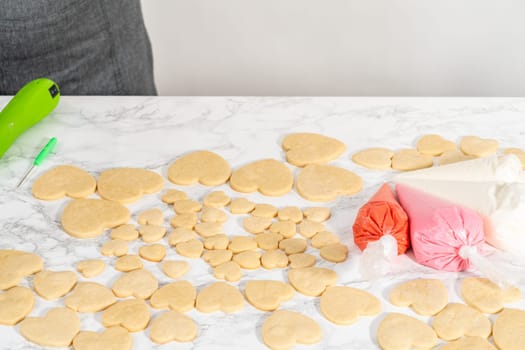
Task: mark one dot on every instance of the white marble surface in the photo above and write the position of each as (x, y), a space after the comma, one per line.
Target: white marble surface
(97, 133)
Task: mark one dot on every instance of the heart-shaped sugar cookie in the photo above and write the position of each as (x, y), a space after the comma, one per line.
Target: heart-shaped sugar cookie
(181, 234)
(229, 271)
(126, 232)
(172, 326)
(184, 220)
(128, 263)
(173, 195)
(220, 241)
(283, 329)
(425, 296)
(153, 252)
(204, 167)
(265, 210)
(410, 159)
(15, 304)
(127, 185)
(469, 343)
(91, 267)
(268, 241)
(137, 283)
(301, 260)
(15, 265)
(478, 147)
(318, 214)
(457, 320)
(115, 247)
(374, 158)
(309, 228)
(286, 229)
(344, 305)
(312, 281)
(52, 285)
(293, 214)
(323, 183)
(208, 229)
(486, 296)
(132, 314)
(324, 238)
(401, 332)
(242, 243)
(268, 176)
(216, 199)
(268, 295)
(64, 180)
(179, 296)
(88, 218)
(213, 215)
(190, 249)
(454, 156)
(256, 224)
(90, 297)
(518, 152)
(175, 269)
(293, 245)
(334, 252)
(248, 259)
(274, 259)
(509, 329)
(186, 206)
(309, 148)
(434, 145)
(113, 338)
(219, 296)
(56, 329)
(217, 256)
(152, 216)
(241, 206)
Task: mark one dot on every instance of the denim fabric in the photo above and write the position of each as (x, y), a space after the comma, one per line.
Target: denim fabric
(88, 47)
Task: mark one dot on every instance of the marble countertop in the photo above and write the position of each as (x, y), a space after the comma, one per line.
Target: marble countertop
(97, 133)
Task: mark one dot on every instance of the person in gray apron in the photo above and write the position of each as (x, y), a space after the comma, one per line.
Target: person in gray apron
(88, 47)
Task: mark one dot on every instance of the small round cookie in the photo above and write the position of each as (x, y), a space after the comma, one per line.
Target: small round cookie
(267, 295)
(268, 176)
(323, 183)
(241, 206)
(220, 241)
(242, 243)
(88, 218)
(126, 232)
(204, 167)
(509, 329)
(478, 147)
(175, 269)
(458, 320)
(397, 331)
(217, 256)
(172, 326)
(216, 199)
(208, 229)
(469, 343)
(173, 195)
(152, 216)
(213, 215)
(128, 263)
(152, 233)
(219, 296)
(137, 283)
(309, 228)
(434, 145)
(127, 185)
(153, 252)
(449, 157)
(265, 210)
(255, 224)
(410, 159)
(62, 181)
(229, 271)
(309, 148)
(15, 304)
(132, 314)
(179, 296)
(274, 259)
(324, 238)
(190, 249)
(344, 305)
(335, 252)
(268, 241)
(248, 259)
(293, 214)
(15, 265)
(185, 220)
(518, 153)
(284, 329)
(317, 214)
(115, 247)
(287, 229)
(312, 281)
(301, 260)
(91, 267)
(113, 338)
(374, 158)
(185, 206)
(425, 296)
(486, 296)
(90, 297)
(181, 234)
(52, 285)
(293, 245)
(56, 329)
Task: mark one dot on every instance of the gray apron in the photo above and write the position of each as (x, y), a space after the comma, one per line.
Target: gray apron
(88, 47)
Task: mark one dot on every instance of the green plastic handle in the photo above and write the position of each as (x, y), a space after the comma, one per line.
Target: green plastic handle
(45, 151)
(32, 103)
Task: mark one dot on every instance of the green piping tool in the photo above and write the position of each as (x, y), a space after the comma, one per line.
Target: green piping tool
(31, 104)
(42, 155)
